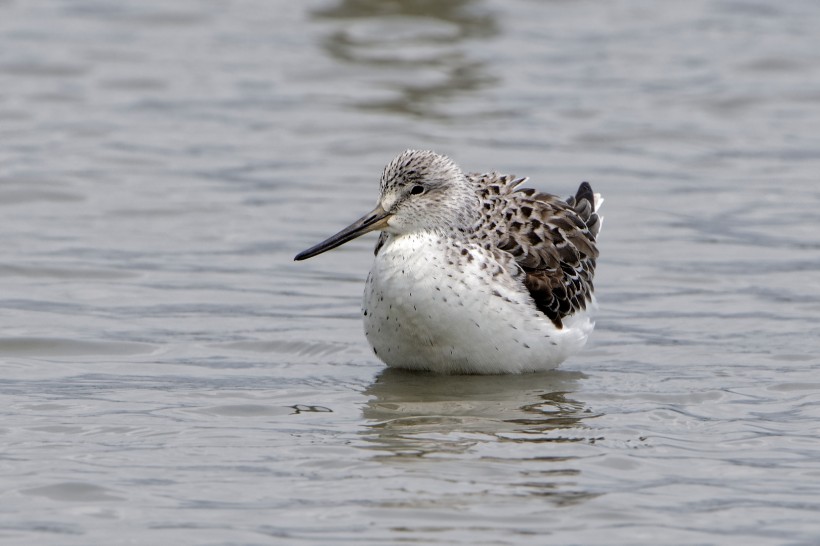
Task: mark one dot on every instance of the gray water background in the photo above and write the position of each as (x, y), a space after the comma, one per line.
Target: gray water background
(170, 376)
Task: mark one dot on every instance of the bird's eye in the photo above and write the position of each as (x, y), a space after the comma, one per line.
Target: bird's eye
(416, 190)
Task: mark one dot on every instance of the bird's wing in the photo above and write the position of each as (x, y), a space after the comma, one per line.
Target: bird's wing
(552, 240)
(380, 243)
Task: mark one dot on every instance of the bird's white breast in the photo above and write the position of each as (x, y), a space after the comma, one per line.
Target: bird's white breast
(431, 303)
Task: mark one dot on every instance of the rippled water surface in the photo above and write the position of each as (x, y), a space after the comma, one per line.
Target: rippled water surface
(170, 376)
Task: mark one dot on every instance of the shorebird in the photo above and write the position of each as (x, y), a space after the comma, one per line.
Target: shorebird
(473, 274)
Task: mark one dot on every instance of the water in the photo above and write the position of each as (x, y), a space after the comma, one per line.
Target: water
(170, 376)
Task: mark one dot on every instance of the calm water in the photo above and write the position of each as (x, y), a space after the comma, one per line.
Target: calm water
(170, 376)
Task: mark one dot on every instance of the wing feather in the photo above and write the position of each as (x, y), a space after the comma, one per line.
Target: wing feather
(552, 240)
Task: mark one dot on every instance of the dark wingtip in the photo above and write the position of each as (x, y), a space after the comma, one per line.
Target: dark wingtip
(584, 193)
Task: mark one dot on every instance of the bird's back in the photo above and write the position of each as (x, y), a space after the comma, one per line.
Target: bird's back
(553, 240)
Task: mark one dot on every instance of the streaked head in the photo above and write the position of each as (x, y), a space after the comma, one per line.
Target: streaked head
(420, 190)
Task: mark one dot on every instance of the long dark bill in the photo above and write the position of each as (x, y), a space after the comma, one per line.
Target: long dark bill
(373, 220)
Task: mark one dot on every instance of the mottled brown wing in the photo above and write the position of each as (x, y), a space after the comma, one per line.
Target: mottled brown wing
(551, 239)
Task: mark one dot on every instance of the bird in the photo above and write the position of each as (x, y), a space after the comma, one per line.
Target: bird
(473, 273)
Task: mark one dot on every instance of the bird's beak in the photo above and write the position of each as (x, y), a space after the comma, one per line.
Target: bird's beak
(373, 220)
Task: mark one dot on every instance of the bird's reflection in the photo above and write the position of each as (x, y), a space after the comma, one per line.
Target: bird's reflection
(418, 414)
(414, 50)
(507, 436)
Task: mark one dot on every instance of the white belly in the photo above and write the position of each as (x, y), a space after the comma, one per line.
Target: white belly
(429, 307)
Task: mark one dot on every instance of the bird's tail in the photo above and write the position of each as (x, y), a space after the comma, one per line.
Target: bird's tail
(586, 204)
